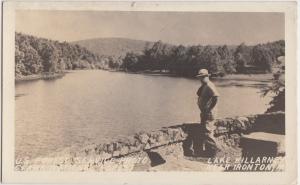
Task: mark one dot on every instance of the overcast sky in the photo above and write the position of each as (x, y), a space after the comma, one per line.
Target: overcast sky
(172, 27)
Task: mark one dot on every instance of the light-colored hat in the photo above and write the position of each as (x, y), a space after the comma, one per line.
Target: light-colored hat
(202, 72)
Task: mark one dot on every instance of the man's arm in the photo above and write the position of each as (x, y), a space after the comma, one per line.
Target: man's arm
(199, 91)
(214, 97)
(212, 103)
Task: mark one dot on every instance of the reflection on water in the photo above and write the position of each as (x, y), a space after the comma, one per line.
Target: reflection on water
(97, 106)
(238, 84)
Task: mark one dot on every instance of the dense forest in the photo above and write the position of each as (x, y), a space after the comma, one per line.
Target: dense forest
(187, 60)
(38, 55)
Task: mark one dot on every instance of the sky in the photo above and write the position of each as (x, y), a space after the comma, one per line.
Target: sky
(185, 28)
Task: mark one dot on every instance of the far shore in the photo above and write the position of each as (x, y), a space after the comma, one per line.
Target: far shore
(44, 76)
(240, 77)
(252, 77)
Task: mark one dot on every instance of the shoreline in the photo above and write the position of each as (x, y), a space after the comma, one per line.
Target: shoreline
(39, 77)
(240, 77)
(245, 77)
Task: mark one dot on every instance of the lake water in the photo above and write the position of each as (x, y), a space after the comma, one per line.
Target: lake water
(99, 106)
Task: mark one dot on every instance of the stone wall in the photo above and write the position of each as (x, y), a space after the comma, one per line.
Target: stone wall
(227, 131)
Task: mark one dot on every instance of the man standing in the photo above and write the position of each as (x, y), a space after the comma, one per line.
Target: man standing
(207, 98)
(207, 101)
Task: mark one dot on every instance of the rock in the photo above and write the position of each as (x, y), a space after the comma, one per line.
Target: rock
(115, 146)
(170, 131)
(153, 134)
(177, 135)
(162, 139)
(221, 130)
(124, 150)
(152, 141)
(143, 138)
(240, 125)
(263, 144)
(131, 141)
(147, 146)
(110, 148)
(116, 153)
(221, 123)
(174, 134)
(252, 119)
(244, 123)
(100, 148)
(132, 149)
(105, 155)
(141, 146)
(183, 134)
(229, 122)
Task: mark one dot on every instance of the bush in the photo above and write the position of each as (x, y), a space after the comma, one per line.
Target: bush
(277, 90)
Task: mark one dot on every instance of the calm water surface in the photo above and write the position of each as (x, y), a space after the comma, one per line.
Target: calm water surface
(98, 106)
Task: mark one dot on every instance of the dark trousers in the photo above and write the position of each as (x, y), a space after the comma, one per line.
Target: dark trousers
(206, 117)
(198, 137)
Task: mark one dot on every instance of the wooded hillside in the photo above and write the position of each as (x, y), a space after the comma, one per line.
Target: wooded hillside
(38, 55)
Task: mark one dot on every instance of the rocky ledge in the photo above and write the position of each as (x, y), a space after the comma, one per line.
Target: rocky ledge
(129, 153)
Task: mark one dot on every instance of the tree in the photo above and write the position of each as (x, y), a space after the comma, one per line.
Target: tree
(32, 61)
(114, 62)
(224, 53)
(229, 66)
(240, 63)
(277, 48)
(242, 57)
(178, 58)
(194, 61)
(61, 65)
(19, 58)
(211, 60)
(215, 64)
(262, 57)
(49, 57)
(36, 55)
(156, 57)
(130, 61)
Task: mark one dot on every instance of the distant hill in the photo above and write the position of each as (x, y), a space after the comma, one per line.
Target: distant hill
(113, 46)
